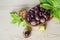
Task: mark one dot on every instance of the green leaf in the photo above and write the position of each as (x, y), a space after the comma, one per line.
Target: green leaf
(46, 6)
(14, 15)
(54, 3)
(19, 22)
(14, 21)
(43, 1)
(25, 24)
(16, 18)
(50, 2)
(56, 13)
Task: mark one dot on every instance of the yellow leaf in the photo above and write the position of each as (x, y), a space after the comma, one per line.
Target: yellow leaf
(42, 28)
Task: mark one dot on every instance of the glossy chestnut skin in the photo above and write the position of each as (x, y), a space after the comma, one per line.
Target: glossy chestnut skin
(27, 32)
(37, 15)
